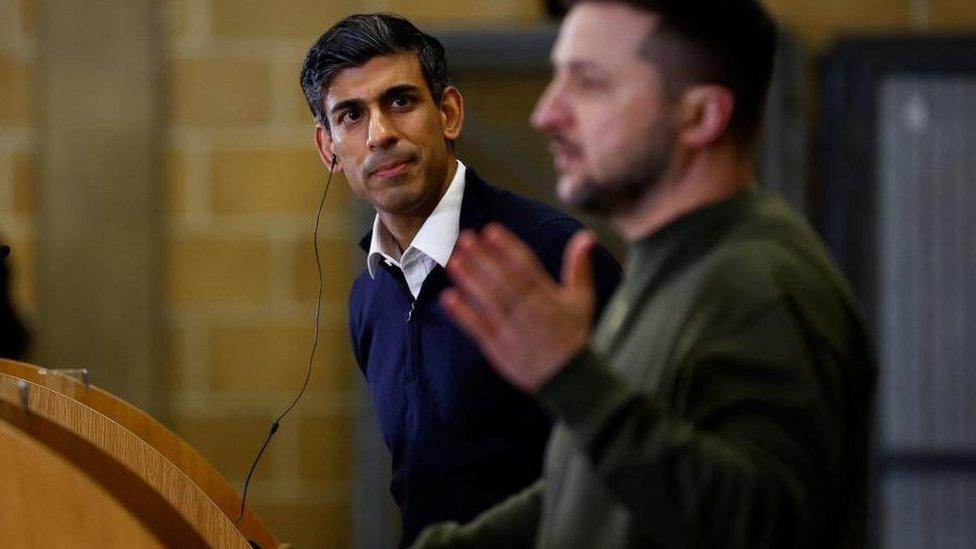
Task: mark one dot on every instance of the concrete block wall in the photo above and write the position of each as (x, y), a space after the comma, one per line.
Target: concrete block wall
(818, 22)
(243, 181)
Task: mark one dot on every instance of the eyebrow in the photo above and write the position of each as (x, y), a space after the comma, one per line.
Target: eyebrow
(392, 91)
(400, 89)
(584, 66)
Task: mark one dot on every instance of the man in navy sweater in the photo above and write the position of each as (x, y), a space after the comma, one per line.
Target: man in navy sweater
(387, 117)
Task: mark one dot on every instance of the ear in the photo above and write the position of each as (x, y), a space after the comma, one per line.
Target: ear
(452, 112)
(705, 112)
(326, 148)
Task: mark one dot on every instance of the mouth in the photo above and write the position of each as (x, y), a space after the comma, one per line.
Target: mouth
(564, 154)
(392, 169)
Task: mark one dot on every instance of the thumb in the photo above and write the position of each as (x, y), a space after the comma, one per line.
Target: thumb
(577, 275)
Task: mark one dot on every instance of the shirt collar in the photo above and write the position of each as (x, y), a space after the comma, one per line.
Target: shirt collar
(436, 237)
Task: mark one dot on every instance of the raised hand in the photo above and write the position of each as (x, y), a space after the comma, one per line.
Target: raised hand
(526, 324)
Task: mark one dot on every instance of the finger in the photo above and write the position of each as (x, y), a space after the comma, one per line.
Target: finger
(505, 285)
(577, 273)
(481, 260)
(480, 290)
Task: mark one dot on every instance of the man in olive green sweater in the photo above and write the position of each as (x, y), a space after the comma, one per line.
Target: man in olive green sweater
(725, 398)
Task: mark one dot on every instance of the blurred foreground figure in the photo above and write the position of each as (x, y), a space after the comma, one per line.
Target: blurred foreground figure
(13, 335)
(724, 399)
(387, 117)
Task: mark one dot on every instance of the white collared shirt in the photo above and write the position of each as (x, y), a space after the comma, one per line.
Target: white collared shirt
(432, 245)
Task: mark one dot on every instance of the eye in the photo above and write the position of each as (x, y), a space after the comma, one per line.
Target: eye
(400, 102)
(587, 82)
(349, 116)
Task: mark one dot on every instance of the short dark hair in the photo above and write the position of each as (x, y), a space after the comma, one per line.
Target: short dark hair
(731, 43)
(359, 38)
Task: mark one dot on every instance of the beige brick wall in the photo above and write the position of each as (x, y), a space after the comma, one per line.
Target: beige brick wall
(220, 91)
(953, 14)
(819, 22)
(18, 169)
(242, 183)
(15, 103)
(469, 13)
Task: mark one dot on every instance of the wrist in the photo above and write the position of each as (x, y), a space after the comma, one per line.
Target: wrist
(556, 366)
(582, 389)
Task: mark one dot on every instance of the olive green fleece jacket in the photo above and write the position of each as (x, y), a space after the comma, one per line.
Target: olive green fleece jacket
(725, 401)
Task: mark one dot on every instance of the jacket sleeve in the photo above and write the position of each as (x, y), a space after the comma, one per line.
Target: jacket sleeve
(510, 524)
(737, 456)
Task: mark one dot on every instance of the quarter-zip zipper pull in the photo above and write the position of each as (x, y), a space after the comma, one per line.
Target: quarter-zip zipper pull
(413, 304)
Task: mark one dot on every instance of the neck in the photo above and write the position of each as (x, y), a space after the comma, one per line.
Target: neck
(402, 228)
(405, 226)
(705, 178)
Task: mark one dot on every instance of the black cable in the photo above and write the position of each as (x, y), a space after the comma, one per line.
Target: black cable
(311, 355)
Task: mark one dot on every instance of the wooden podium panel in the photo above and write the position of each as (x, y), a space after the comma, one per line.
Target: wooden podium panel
(153, 453)
(67, 508)
(57, 490)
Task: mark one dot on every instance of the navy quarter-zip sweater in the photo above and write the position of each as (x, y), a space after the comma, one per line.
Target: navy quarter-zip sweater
(462, 439)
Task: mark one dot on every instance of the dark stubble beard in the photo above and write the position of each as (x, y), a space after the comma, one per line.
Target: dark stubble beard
(640, 173)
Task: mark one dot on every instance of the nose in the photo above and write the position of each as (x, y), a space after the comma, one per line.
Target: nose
(550, 112)
(382, 133)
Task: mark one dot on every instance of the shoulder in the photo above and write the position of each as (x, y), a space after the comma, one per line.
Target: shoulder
(544, 228)
(367, 296)
(538, 224)
(773, 259)
(360, 286)
(523, 215)
(358, 294)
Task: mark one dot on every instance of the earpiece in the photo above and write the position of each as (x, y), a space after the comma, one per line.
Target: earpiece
(311, 354)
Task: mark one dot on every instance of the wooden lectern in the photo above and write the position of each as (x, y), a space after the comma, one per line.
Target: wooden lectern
(82, 468)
